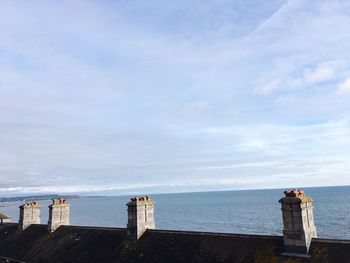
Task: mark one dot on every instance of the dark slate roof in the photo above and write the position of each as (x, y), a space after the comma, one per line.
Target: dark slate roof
(66, 244)
(77, 244)
(10, 260)
(180, 246)
(184, 246)
(328, 250)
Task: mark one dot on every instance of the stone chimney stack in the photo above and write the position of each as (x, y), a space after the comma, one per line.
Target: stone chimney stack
(298, 222)
(29, 213)
(58, 214)
(140, 216)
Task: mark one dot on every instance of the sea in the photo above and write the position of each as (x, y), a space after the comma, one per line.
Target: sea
(244, 211)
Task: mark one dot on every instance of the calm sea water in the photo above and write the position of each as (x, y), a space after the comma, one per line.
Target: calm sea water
(252, 211)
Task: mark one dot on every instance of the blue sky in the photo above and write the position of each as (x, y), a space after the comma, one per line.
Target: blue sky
(135, 96)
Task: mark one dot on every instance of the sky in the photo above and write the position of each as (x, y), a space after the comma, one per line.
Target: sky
(151, 96)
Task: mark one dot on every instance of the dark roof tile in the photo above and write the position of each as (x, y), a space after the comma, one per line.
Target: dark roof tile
(76, 244)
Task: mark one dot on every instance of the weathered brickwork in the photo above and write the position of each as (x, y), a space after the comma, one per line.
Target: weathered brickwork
(58, 214)
(140, 216)
(29, 213)
(298, 222)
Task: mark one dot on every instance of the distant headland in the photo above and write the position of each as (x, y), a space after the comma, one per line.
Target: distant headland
(37, 197)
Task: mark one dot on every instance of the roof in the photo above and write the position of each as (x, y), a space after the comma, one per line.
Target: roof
(2, 216)
(76, 244)
(10, 260)
(66, 244)
(183, 246)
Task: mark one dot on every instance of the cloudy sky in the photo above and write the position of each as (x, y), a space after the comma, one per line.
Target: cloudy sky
(164, 96)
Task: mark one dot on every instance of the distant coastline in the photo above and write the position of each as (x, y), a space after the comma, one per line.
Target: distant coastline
(36, 198)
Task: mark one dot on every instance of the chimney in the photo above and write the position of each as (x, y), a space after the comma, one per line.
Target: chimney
(298, 223)
(58, 214)
(29, 213)
(140, 216)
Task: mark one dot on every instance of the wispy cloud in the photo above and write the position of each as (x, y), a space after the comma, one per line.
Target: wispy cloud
(322, 72)
(98, 94)
(344, 88)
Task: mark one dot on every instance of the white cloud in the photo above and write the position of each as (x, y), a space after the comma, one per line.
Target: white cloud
(253, 143)
(321, 73)
(240, 165)
(344, 88)
(292, 78)
(269, 87)
(89, 96)
(280, 139)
